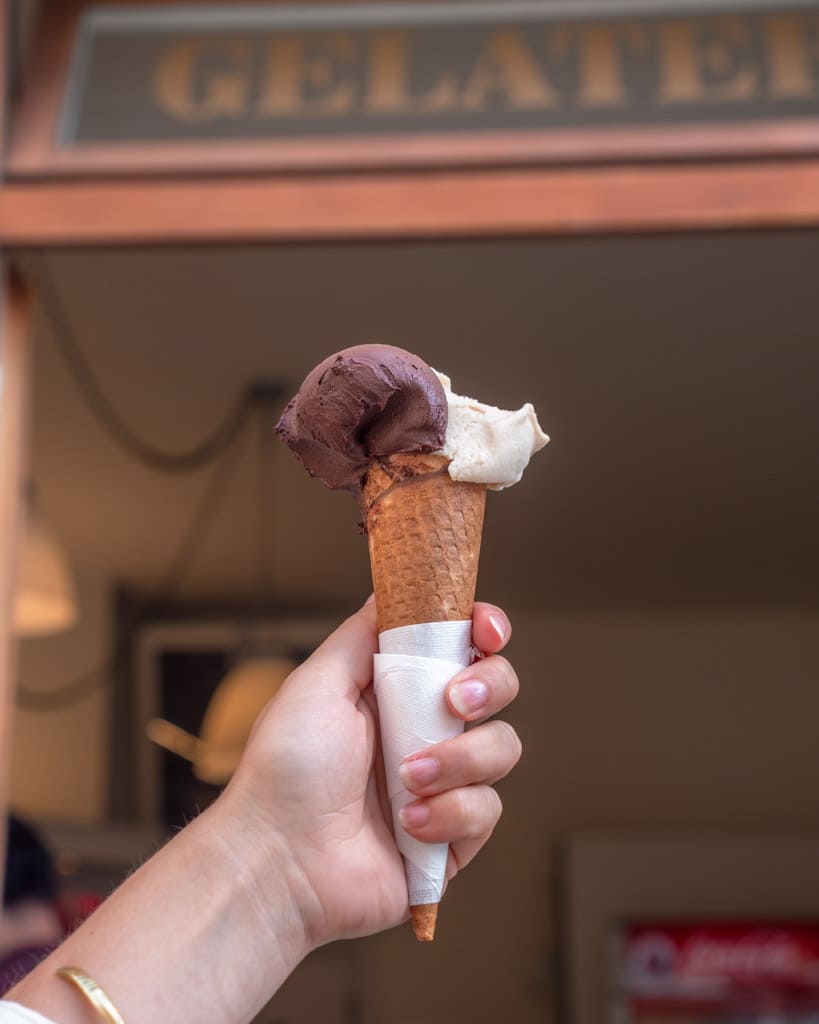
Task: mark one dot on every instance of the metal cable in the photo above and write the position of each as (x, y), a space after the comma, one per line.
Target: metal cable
(104, 411)
(190, 544)
(198, 529)
(77, 690)
(219, 442)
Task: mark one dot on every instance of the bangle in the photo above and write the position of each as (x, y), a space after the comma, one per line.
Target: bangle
(92, 992)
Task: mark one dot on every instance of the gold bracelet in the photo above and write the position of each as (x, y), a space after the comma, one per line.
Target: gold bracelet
(91, 991)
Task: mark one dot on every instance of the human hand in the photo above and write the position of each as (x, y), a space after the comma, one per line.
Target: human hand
(311, 778)
(297, 851)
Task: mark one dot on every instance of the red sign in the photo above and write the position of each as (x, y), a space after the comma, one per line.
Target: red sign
(723, 965)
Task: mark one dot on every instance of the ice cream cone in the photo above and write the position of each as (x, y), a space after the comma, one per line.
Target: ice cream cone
(424, 917)
(424, 533)
(360, 422)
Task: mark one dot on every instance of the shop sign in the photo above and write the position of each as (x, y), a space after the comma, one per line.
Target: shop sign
(270, 74)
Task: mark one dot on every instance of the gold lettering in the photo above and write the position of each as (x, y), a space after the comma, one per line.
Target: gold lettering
(792, 55)
(388, 89)
(225, 92)
(293, 67)
(506, 65)
(601, 63)
(689, 61)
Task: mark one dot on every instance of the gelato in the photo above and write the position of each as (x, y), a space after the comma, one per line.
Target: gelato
(361, 404)
(486, 445)
(371, 401)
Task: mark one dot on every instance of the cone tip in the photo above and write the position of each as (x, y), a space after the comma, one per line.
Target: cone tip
(424, 917)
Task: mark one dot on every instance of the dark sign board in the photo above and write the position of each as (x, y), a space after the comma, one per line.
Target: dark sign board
(267, 73)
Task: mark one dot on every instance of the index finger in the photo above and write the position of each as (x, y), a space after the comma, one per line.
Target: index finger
(491, 627)
(349, 650)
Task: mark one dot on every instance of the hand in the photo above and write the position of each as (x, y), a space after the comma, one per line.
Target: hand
(297, 851)
(312, 778)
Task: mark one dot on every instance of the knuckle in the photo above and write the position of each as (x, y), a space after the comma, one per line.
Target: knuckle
(493, 807)
(486, 808)
(487, 753)
(463, 806)
(503, 678)
(478, 811)
(511, 741)
(487, 812)
(475, 755)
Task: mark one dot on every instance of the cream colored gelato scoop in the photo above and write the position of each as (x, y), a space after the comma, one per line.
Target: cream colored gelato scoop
(488, 445)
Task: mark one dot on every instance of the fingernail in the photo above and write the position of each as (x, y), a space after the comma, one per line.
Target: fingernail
(499, 624)
(419, 773)
(414, 815)
(468, 697)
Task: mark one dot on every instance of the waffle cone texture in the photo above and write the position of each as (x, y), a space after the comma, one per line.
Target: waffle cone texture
(424, 531)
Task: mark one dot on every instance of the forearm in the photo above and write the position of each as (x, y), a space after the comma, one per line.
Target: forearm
(206, 930)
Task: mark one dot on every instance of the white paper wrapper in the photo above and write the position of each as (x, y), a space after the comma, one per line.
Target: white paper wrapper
(411, 675)
(449, 641)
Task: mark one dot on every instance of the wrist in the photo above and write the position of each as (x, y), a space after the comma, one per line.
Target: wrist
(270, 882)
(206, 930)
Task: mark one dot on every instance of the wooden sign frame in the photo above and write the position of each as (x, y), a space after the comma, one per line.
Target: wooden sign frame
(750, 176)
(34, 152)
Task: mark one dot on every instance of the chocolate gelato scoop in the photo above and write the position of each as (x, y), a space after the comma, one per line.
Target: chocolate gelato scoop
(361, 404)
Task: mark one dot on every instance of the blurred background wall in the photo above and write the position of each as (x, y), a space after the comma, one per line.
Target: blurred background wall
(657, 560)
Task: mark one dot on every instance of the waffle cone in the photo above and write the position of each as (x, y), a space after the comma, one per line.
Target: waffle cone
(424, 917)
(424, 532)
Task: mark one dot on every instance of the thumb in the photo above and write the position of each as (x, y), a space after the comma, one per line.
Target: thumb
(347, 654)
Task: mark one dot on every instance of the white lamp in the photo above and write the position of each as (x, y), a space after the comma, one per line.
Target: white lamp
(45, 601)
(228, 719)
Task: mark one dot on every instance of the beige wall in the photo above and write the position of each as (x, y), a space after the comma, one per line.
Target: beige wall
(59, 758)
